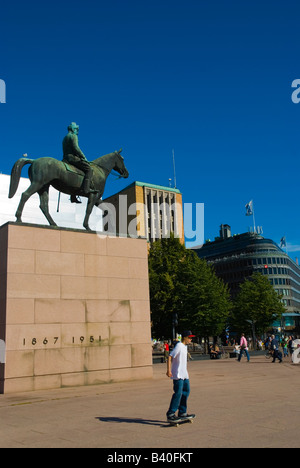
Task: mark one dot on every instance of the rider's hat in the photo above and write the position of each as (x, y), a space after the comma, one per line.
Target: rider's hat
(73, 126)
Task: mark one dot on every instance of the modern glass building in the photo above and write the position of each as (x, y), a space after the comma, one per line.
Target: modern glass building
(237, 257)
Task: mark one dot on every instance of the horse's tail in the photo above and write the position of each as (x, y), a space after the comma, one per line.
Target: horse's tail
(16, 174)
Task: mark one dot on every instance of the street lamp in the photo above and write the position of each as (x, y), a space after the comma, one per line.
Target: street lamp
(174, 324)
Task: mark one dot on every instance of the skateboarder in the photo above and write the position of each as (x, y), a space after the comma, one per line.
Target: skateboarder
(177, 371)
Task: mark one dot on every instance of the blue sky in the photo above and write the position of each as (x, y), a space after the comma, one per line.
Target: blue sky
(209, 79)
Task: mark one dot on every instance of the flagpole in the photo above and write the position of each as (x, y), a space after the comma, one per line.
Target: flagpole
(174, 167)
(286, 250)
(250, 212)
(254, 224)
(283, 243)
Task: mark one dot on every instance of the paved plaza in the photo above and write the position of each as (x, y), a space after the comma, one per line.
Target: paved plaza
(237, 405)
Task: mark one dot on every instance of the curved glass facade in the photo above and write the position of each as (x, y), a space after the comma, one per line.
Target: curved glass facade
(237, 258)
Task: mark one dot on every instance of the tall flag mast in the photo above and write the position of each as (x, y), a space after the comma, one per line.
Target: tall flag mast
(250, 212)
(174, 167)
(283, 244)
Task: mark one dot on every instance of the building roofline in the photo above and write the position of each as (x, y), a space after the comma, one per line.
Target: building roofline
(214, 248)
(144, 184)
(153, 186)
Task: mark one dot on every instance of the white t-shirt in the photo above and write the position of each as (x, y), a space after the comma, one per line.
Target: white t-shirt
(179, 362)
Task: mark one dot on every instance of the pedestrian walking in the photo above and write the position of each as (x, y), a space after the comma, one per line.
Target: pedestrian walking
(285, 347)
(244, 348)
(177, 371)
(291, 346)
(275, 348)
(166, 351)
(268, 343)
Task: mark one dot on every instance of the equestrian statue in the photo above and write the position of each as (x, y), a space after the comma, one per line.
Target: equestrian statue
(74, 175)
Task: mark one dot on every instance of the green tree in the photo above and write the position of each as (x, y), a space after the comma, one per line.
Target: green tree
(182, 283)
(165, 258)
(256, 302)
(205, 297)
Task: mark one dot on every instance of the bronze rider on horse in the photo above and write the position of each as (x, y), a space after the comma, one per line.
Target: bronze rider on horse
(72, 154)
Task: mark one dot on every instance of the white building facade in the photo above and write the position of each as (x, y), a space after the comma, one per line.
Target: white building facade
(70, 215)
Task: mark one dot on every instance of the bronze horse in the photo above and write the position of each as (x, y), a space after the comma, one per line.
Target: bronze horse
(44, 172)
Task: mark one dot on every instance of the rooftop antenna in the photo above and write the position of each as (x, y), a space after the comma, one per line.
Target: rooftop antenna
(175, 180)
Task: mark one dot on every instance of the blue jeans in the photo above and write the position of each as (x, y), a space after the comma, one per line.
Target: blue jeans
(241, 354)
(179, 400)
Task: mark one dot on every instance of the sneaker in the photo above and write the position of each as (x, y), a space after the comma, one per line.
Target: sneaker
(172, 418)
(187, 416)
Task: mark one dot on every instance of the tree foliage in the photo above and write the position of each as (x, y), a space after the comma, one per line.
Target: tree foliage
(165, 259)
(257, 302)
(182, 283)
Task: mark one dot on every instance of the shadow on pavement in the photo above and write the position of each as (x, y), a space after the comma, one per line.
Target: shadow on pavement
(149, 422)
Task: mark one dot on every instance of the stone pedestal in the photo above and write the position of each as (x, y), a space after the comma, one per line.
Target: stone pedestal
(74, 308)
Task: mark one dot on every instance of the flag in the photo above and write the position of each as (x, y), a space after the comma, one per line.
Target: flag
(249, 208)
(283, 242)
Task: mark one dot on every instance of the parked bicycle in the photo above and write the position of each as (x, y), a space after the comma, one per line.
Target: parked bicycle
(269, 354)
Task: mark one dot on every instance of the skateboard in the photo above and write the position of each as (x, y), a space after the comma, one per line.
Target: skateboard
(181, 421)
